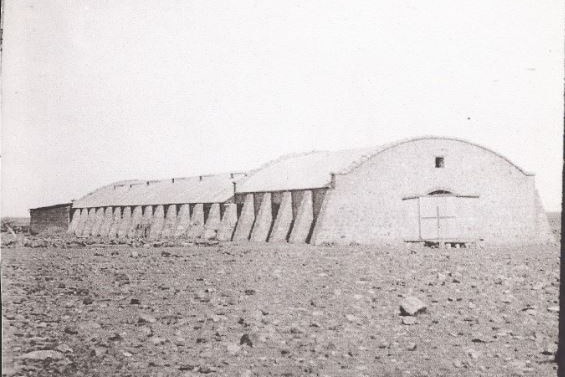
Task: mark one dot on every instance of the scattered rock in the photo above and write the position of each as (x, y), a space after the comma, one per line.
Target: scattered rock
(408, 320)
(384, 344)
(64, 348)
(87, 301)
(457, 277)
(233, 349)
(549, 349)
(412, 306)
(43, 355)
(245, 340)
(146, 331)
(88, 327)
(158, 341)
(146, 318)
(297, 330)
(351, 318)
(99, 351)
(115, 337)
(179, 342)
(71, 330)
(205, 369)
(473, 354)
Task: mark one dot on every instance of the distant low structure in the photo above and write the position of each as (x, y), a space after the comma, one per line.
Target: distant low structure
(51, 219)
(429, 190)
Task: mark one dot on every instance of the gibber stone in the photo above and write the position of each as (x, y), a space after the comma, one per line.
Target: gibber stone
(229, 221)
(412, 306)
(170, 221)
(304, 219)
(157, 223)
(183, 221)
(212, 223)
(263, 220)
(246, 219)
(281, 227)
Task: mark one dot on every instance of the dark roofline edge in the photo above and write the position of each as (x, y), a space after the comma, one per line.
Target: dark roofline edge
(52, 206)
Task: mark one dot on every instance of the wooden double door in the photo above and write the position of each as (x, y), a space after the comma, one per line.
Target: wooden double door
(445, 217)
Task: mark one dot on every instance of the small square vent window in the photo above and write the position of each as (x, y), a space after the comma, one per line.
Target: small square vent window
(440, 162)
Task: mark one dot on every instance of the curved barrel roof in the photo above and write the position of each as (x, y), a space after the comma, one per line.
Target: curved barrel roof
(199, 189)
(301, 171)
(313, 169)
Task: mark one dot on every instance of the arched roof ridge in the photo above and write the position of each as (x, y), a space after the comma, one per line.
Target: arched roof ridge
(395, 144)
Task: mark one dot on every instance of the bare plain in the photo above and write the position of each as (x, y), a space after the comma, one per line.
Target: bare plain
(279, 310)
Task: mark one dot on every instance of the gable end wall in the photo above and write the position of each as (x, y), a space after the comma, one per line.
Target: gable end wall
(366, 204)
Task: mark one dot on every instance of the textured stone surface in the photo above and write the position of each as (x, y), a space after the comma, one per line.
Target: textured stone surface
(89, 223)
(304, 311)
(136, 218)
(283, 222)
(126, 223)
(170, 224)
(82, 222)
(54, 219)
(146, 222)
(246, 220)
(303, 220)
(75, 220)
(183, 220)
(263, 220)
(229, 221)
(196, 227)
(412, 306)
(157, 223)
(367, 206)
(106, 222)
(117, 219)
(98, 220)
(212, 223)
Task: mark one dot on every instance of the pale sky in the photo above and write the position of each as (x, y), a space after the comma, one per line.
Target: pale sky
(99, 91)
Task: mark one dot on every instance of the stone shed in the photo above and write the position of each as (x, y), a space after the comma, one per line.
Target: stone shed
(430, 190)
(50, 219)
(191, 207)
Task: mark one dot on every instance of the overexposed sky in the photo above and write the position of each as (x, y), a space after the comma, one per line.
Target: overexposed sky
(96, 91)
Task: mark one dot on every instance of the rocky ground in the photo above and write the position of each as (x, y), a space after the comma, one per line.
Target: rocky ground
(267, 310)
